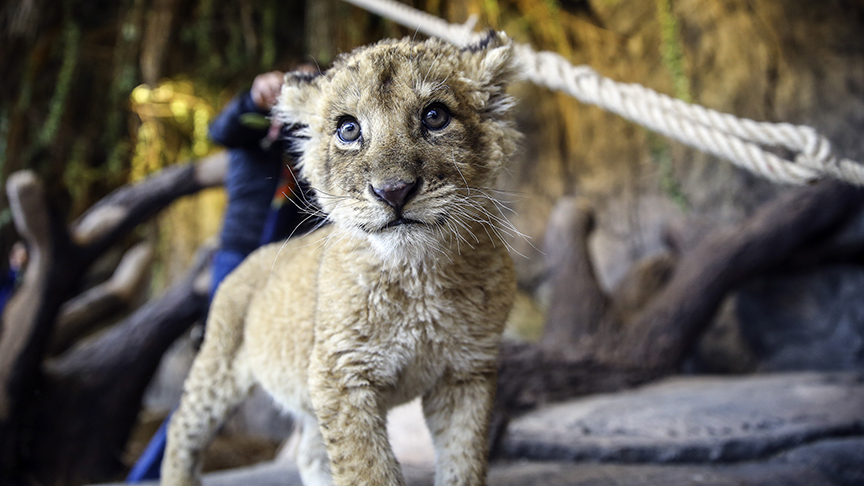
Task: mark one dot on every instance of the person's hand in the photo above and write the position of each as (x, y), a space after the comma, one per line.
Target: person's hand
(18, 256)
(265, 89)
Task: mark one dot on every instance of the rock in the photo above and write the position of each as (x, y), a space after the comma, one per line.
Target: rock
(261, 475)
(841, 460)
(797, 468)
(806, 320)
(272, 474)
(569, 474)
(694, 419)
(282, 474)
(722, 349)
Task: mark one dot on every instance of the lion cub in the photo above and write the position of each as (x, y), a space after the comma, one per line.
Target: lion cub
(404, 295)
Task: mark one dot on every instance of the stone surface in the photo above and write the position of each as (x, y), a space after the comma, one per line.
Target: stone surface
(722, 349)
(794, 470)
(806, 320)
(694, 419)
(841, 460)
(277, 474)
(569, 474)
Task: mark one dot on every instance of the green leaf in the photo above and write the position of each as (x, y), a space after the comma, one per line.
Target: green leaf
(255, 121)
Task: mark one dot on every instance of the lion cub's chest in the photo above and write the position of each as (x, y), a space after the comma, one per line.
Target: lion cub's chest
(410, 332)
(399, 330)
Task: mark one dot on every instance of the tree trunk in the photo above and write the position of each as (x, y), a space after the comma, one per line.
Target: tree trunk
(100, 384)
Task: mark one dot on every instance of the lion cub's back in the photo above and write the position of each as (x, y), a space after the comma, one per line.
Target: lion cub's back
(278, 334)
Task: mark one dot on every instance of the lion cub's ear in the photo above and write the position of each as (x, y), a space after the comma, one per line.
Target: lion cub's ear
(491, 64)
(298, 100)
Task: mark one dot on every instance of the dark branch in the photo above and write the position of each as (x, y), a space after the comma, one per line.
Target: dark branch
(100, 227)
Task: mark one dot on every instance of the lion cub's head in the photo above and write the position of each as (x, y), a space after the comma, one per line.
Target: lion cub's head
(402, 140)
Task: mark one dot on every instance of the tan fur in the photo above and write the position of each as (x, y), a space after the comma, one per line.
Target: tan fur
(353, 319)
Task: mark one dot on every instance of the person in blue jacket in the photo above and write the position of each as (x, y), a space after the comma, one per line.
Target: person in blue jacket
(254, 169)
(259, 184)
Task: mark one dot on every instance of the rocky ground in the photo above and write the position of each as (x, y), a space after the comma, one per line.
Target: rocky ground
(789, 429)
(695, 420)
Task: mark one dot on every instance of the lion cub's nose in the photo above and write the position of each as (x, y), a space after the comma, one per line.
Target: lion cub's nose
(395, 193)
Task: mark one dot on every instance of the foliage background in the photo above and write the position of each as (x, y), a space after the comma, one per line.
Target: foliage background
(98, 93)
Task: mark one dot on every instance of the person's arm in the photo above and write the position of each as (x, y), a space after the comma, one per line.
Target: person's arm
(236, 125)
(228, 128)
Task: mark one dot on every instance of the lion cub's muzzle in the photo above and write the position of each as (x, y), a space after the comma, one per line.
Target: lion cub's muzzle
(396, 193)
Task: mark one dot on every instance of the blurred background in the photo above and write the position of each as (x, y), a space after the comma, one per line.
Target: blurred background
(97, 94)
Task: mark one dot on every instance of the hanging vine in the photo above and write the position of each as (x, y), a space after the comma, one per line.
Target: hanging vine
(71, 45)
(672, 52)
(4, 142)
(124, 80)
(268, 34)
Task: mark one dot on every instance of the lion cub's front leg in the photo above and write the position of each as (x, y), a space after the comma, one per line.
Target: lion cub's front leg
(458, 410)
(353, 419)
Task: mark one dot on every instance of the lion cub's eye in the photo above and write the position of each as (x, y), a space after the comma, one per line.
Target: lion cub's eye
(349, 130)
(436, 116)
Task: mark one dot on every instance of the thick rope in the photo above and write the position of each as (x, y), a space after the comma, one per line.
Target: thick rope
(742, 141)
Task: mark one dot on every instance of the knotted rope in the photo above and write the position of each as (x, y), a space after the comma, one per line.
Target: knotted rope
(741, 141)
